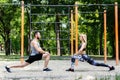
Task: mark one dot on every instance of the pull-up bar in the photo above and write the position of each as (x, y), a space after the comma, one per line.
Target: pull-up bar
(22, 32)
(105, 37)
(116, 33)
(105, 32)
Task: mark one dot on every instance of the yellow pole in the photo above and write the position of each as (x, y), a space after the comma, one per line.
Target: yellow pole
(71, 32)
(22, 32)
(116, 33)
(76, 25)
(105, 38)
(76, 28)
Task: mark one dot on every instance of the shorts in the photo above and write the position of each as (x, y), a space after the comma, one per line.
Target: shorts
(36, 57)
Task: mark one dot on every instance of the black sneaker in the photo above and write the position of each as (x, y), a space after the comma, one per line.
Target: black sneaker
(111, 68)
(72, 70)
(7, 69)
(47, 69)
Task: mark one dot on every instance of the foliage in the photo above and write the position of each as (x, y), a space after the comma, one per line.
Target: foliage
(51, 20)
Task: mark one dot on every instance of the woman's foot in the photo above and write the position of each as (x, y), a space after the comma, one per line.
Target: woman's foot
(72, 70)
(111, 68)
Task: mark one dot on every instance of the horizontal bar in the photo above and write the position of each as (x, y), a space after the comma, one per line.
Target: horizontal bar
(54, 39)
(58, 5)
(43, 30)
(62, 30)
(35, 14)
(56, 30)
(90, 12)
(57, 48)
(74, 5)
(48, 22)
(10, 4)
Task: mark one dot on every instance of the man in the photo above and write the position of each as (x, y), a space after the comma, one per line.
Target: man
(37, 53)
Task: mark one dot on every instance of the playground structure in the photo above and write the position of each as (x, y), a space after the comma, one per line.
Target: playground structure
(73, 25)
(105, 31)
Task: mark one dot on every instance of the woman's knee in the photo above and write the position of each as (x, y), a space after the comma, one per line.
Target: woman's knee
(72, 59)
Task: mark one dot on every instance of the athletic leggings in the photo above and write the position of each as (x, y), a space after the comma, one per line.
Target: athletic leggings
(86, 58)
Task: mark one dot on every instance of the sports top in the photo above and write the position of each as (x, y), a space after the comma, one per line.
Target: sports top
(80, 47)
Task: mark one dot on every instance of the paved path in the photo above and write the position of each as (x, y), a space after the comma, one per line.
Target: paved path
(34, 71)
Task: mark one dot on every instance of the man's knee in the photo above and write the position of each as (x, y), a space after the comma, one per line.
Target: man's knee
(48, 55)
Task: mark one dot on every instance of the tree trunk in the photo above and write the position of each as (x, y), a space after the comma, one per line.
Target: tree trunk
(57, 28)
(7, 44)
(101, 40)
(29, 32)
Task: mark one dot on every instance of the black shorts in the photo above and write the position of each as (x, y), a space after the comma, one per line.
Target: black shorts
(36, 57)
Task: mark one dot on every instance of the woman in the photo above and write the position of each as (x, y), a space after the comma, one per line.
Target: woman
(82, 56)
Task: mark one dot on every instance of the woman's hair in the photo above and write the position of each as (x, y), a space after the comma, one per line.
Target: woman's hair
(36, 32)
(84, 36)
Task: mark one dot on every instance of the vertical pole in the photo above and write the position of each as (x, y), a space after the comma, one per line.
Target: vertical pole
(76, 29)
(116, 33)
(105, 37)
(22, 32)
(71, 32)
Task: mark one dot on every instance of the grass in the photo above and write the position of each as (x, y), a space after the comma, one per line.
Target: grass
(109, 77)
(17, 57)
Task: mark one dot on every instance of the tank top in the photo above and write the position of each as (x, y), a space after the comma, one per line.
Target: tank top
(33, 50)
(80, 47)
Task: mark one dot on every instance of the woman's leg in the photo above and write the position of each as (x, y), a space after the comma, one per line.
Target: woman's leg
(74, 57)
(93, 62)
(72, 62)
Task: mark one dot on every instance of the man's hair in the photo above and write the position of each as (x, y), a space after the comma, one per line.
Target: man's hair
(36, 32)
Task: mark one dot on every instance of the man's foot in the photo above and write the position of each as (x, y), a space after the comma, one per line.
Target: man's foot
(47, 69)
(7, 69)
(111, 68)
(72, 70)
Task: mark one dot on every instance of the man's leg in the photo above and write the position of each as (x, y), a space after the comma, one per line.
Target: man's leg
(16, 66)
(20, 65)
(47, 58)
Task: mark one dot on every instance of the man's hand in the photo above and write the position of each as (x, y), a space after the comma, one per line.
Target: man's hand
(47, 52)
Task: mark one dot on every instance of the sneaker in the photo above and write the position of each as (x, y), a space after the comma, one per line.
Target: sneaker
(47, 69)
(7, 69)
(72, 70)
(111, 68)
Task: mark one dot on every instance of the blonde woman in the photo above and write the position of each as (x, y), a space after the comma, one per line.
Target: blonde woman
(82, 56)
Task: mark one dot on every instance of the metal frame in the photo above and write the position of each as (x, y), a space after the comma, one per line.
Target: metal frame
(39, 14)
(69, 8)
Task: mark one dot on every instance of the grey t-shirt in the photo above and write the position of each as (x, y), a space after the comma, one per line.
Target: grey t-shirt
(33, 50)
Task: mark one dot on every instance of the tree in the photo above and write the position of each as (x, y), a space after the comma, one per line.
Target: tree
(6, 15)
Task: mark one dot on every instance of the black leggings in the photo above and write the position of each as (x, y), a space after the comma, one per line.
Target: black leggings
(90, 61)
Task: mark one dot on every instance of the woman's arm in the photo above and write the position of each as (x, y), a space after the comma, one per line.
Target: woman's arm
(80, 51)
